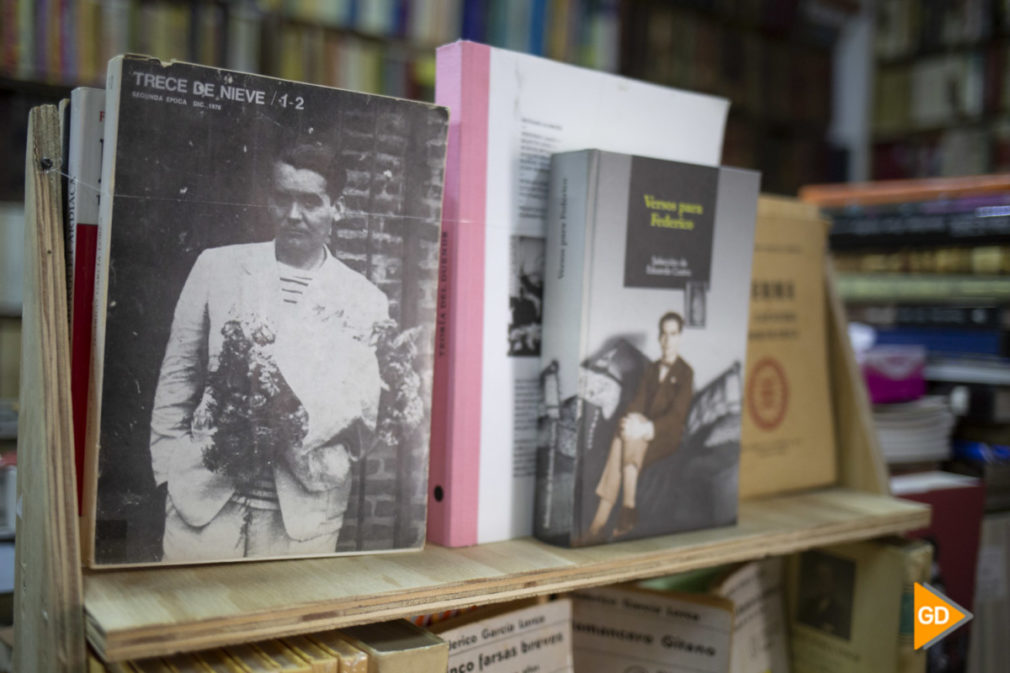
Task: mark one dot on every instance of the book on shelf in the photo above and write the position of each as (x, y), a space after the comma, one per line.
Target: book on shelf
(948, 341)
(350, 657)
(936, 315)
(318, 659)
(644, 344)
(922, 287)
(956, 506)
(977, 370)
(760, 633)
(265, 302)
(967, 220)
(971, 259)
(84, 173)
(787, 438)
(510, 112)
(619, 628)
(400, 647)
(850, 607)
(512, 637)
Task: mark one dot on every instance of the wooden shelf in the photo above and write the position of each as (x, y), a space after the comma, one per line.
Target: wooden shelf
(146, 612)
(132, 613)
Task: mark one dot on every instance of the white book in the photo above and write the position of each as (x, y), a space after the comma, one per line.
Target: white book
(509, 113)
(538, 637)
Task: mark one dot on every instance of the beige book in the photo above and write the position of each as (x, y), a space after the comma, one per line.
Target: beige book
(351, 657)
(319, 660)
(400, 647)
(628, 627)
(760, 633)
(845, 606)
(527, 636)
(787, 441)
(283, 657)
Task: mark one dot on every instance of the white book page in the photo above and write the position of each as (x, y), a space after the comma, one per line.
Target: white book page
(538, 107)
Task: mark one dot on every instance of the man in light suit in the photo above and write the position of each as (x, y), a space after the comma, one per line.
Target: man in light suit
(650, 429)
(314, 321)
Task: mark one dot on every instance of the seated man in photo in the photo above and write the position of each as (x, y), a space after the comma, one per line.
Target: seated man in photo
(650, 429)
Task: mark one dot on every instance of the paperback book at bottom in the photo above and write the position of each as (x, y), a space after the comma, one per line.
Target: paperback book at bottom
(265, 303)
(645, 335)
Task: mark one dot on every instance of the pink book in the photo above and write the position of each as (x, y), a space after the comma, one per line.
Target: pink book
(509, 113)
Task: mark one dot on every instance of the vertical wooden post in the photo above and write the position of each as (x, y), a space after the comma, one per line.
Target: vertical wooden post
(48, 611)
(860, 461)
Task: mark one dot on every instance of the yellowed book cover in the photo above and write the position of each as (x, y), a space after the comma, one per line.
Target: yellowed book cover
(319, 660)
(787, 441)
(845, 606)
(250, 660)
(400, 647)
(352, 658)
(282, 657)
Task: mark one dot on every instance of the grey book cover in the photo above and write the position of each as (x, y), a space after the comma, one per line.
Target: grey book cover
(267, 285)
(646, 300)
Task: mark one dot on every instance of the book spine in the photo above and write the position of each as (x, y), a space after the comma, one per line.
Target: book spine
(947, 341)
(462, 83)
(931, 316)
(869, 287)
(571, 192)
(87, 107)
(985, 224)
(102, 244)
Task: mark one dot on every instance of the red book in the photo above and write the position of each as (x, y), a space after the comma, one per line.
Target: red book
(957, 505)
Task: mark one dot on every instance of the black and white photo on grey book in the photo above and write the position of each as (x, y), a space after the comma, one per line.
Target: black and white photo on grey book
(270, 319)
(526, 295)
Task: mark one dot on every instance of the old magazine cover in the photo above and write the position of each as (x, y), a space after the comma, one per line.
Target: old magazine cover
(266, 290)
(645, 335)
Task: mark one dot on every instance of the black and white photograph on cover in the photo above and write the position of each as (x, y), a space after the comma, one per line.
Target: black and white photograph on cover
(696, 303)
(645, 438)
(270, 324)
(526, 295)
(826, 593)
(653, 451)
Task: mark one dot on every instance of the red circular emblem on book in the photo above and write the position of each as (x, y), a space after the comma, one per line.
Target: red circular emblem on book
(767, 394)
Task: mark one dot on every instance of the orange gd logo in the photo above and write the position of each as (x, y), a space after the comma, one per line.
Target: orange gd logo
(935, 616)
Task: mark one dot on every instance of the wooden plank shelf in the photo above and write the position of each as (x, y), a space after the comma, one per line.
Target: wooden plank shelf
(146, 612)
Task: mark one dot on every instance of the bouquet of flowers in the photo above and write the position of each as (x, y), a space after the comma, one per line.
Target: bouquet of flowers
(249, 411)
(402, 411)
